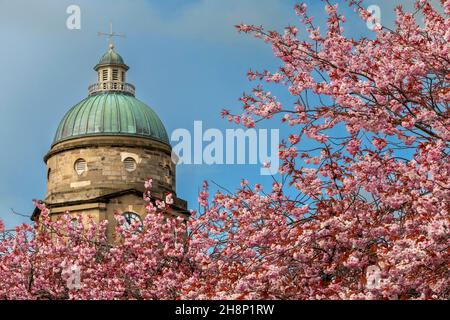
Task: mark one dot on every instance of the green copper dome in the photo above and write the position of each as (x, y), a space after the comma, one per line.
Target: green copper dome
(110, 58)
(111, 113)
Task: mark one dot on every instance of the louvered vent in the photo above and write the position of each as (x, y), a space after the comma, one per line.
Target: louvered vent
(130, 164)
(115, 74)
(80, 166)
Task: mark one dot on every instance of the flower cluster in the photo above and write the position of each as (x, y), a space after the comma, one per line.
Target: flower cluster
(362, 211)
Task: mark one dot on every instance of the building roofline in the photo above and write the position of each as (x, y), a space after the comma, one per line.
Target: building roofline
(102, 199)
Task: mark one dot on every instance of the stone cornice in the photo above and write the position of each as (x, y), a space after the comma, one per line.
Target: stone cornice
(109, 141)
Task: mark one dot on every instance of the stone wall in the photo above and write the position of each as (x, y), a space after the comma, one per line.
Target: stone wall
(105, 172)
(101, 211)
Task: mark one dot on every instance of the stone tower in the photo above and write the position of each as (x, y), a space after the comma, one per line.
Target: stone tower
(105, 147)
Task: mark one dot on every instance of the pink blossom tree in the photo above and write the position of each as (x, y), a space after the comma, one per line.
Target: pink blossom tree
(361, 208)
(42, 262)
(373, 190)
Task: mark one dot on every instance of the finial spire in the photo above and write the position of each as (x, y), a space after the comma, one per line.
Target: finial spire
(111, 35)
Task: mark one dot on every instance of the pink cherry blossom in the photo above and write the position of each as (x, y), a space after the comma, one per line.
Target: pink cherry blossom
(364, 185)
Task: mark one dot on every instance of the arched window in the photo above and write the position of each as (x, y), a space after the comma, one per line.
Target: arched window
(129, 164)
(49, 172)
(80, 166)
(168, 173)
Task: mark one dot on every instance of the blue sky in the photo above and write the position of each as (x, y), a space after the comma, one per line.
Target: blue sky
(187, 63)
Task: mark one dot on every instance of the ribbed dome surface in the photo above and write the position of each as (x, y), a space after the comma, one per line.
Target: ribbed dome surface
(111, 113)
(111, 58)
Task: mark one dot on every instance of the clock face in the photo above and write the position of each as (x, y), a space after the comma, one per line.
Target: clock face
(132, 222)
(74, 224)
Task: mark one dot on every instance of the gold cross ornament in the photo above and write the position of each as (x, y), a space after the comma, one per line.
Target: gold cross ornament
(111, 35)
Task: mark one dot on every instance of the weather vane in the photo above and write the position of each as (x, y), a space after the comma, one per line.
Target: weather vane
(111, 35)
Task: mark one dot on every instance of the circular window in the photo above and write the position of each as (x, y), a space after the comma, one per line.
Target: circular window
(130, 164)
(132, 222)
(80, 166)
